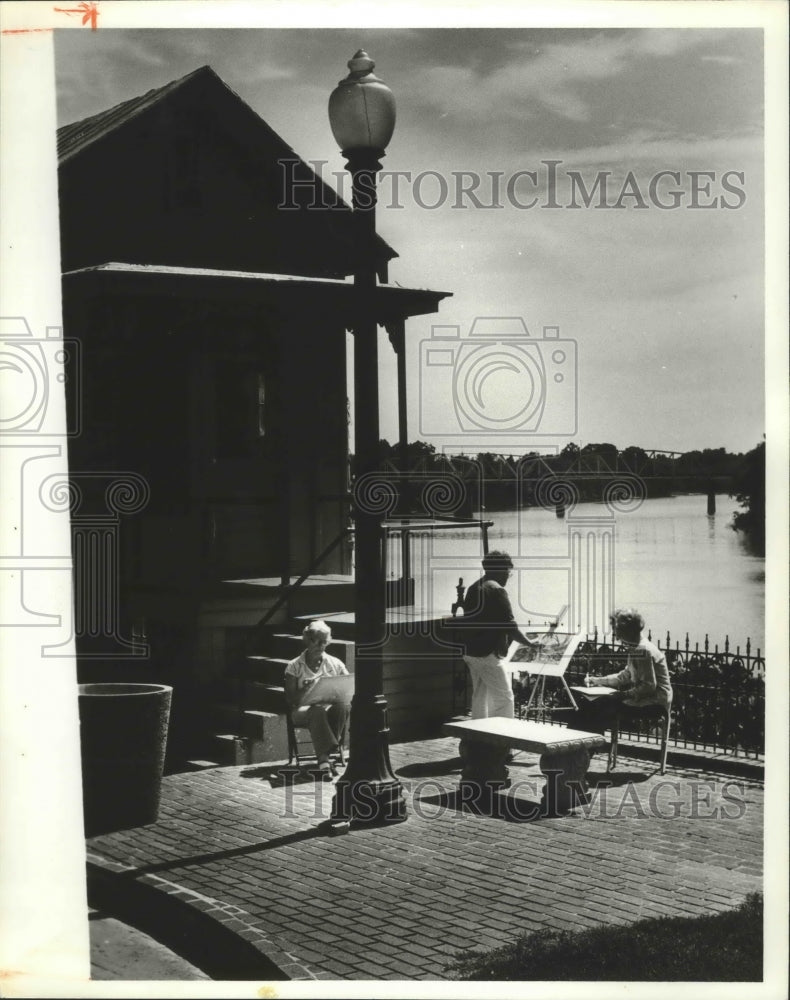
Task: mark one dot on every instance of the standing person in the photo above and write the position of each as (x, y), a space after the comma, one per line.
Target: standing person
(643, 684)
(327, 723)
(488, 629)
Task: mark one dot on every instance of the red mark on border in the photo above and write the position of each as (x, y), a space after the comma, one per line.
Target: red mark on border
(89, 11)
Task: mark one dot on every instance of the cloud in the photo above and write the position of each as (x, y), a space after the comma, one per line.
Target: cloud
(550, 75)
(647, 151)
(682, 287)
(266, 72)
(724, 60)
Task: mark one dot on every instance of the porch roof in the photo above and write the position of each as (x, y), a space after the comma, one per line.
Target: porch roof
(391, 302)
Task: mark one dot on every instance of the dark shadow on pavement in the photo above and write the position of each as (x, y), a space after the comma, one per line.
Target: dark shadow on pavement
(501, 805)
(265, 771)
(430, 768)
(235, 852)
(521, 759)
(615, 779)
(282, 775)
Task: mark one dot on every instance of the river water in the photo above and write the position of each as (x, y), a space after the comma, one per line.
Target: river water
(686, 571)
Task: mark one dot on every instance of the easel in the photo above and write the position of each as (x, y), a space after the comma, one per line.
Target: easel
(537, 697)
(539, 689)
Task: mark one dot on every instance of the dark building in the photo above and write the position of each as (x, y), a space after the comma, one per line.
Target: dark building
(208, 395)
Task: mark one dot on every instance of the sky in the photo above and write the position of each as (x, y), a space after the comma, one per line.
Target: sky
(663, 308)
(666, 307)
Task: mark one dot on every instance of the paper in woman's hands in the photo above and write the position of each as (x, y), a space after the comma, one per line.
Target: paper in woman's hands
(328, 690)
(593, 691)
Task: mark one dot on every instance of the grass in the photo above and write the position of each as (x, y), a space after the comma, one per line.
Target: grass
(722, 947)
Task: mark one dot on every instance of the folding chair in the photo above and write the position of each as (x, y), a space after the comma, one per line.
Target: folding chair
(656, 714)
(294, 743)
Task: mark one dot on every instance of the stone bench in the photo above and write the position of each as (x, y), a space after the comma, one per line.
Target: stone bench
(564, 758)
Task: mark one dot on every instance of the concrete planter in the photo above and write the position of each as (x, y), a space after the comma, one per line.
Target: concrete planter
(123, 735)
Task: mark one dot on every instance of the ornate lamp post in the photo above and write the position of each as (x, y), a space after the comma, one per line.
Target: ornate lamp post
(362, 117)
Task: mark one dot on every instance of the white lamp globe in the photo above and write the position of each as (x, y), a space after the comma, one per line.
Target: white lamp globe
(362, 108)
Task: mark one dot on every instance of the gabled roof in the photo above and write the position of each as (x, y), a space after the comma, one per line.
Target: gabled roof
(75, 138)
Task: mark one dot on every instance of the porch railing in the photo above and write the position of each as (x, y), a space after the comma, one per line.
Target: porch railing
(290, 589)
(719, 693)
(406, 530)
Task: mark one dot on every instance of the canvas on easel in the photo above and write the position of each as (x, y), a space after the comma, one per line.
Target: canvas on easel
(549, 656)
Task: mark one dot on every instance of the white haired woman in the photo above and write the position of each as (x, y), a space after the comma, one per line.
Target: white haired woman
(643, 684)
(327, 723)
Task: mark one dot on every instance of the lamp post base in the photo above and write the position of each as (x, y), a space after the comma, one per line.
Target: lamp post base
(368, 792)
(366, 803)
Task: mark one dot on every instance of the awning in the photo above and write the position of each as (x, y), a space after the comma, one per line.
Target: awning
(391, 303)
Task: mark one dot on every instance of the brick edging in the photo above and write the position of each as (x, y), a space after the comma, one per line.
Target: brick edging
(218, 938)
(741, 767)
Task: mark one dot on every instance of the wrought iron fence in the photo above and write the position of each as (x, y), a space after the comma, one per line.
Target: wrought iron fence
(719, 694)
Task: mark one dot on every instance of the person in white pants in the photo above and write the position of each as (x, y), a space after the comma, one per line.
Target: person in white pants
(488, 629)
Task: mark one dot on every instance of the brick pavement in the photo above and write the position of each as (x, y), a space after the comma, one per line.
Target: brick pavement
(400, 901)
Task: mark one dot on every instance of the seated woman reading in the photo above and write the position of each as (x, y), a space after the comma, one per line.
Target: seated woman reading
(643, 684)
(327, 723)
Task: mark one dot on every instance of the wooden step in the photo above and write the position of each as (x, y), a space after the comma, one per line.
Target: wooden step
(263, 669)
(267, 737)
(265, 698)
(343, 649)
(341, 622)
(287, 645)
(267, 743)
(229, 748)
(331, 595)
(200, 765)
(226, 717)
(256, 721)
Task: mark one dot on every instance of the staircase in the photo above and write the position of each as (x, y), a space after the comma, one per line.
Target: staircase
(248, 724)
(241, 717)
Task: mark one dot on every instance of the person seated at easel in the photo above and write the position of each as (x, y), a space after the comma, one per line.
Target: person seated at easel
(327, 723)
(643, 684)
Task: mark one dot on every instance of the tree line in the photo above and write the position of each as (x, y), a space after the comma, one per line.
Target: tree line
(591, 468)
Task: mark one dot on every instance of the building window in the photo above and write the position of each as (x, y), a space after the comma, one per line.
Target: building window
(240, 408)
(261, 394)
